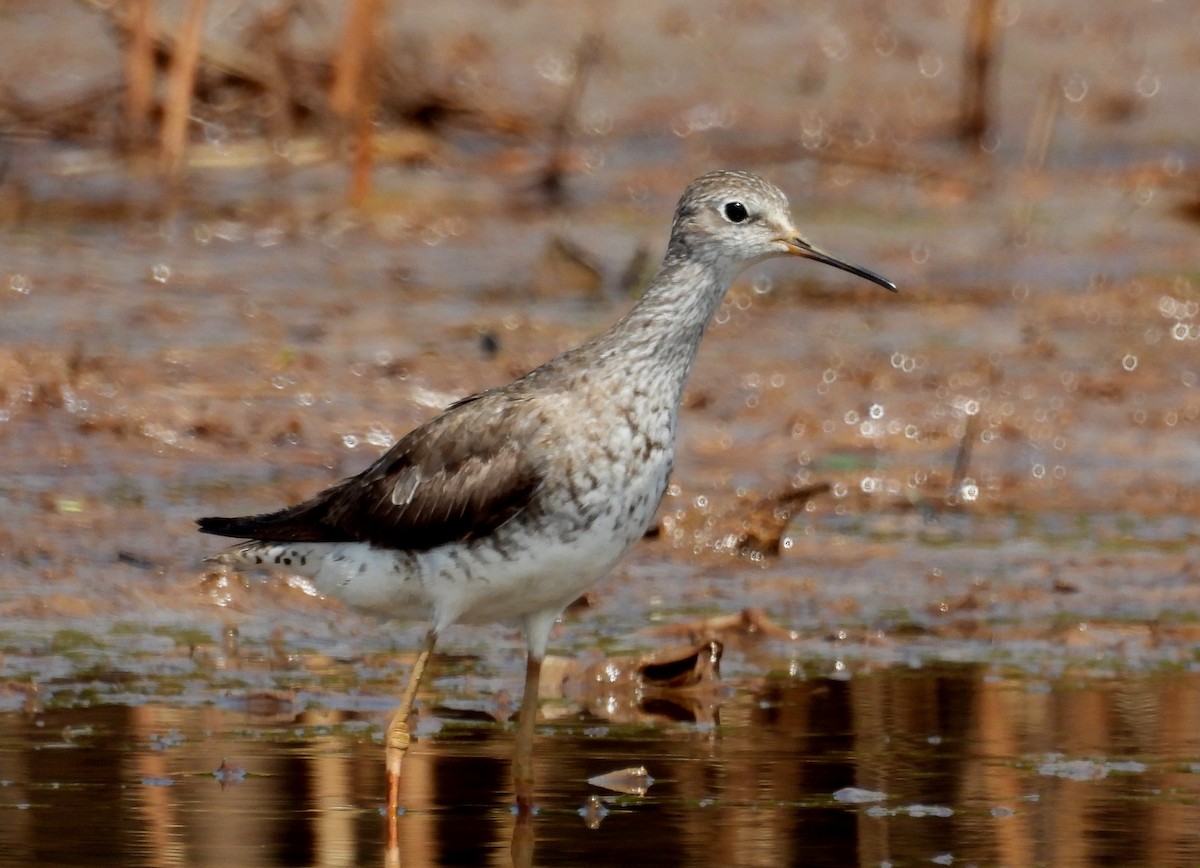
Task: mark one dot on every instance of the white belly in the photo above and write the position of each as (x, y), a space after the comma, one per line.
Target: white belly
(517, 571)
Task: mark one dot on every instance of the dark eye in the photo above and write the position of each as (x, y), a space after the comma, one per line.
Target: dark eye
(735, 212)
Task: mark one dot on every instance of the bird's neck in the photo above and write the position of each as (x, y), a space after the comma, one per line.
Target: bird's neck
(659, 337)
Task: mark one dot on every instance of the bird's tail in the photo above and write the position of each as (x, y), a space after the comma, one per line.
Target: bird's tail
(302, 559)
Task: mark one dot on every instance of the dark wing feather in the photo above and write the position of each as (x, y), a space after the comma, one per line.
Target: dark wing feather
(454, 479)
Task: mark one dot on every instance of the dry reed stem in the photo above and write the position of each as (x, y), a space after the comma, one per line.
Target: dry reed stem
(354, 91)
(139, 73)
(181, 80)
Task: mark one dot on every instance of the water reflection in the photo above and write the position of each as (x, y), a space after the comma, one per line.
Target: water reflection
(967, 764)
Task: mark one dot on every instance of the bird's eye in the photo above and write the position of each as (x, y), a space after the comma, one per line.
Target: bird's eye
(735, 212)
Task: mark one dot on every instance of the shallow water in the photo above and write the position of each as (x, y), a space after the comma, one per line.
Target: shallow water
(943, 764)
(994, 665)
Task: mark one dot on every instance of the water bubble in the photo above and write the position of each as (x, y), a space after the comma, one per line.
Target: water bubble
(596, 122)
(305, 399)
(1075, 88)
(350, 441)
(813, 134)
(968, 490)
(885, 42)
(702, 118)
(1129, 362)
(215, 134)
(930, 64)
(1038, 471)
(834, 43)
(1147, 85)
(919, 254)
(20, 283)
(851, 417)
(875, 411)
(1007, 13)
(555, 68)
(161, 273)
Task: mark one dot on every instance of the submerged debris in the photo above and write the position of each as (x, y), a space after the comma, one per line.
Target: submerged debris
(593, 812)
(229, 775)
(768, 519)
(675, 684)
(634, 781)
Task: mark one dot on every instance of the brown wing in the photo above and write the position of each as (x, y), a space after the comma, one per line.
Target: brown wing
(454, 479)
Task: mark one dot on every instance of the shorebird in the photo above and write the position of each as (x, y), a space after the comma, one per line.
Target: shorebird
(514, 501)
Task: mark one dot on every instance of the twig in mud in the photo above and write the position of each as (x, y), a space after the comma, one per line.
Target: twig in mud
(962, 459)
(1041, 130)
(269, 35)
(551, 181)
(974, 118)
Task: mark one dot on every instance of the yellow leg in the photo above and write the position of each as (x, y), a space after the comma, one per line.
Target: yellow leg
(523, 757)
(398, 737)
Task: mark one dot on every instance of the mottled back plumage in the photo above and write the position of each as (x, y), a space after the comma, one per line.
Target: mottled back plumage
(446, 482)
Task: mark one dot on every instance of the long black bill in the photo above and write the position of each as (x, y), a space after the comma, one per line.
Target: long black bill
(800, 247)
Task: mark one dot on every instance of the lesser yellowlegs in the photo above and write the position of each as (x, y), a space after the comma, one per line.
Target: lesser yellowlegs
(512, 502)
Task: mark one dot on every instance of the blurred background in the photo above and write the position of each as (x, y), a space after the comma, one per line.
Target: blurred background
(946, 540)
